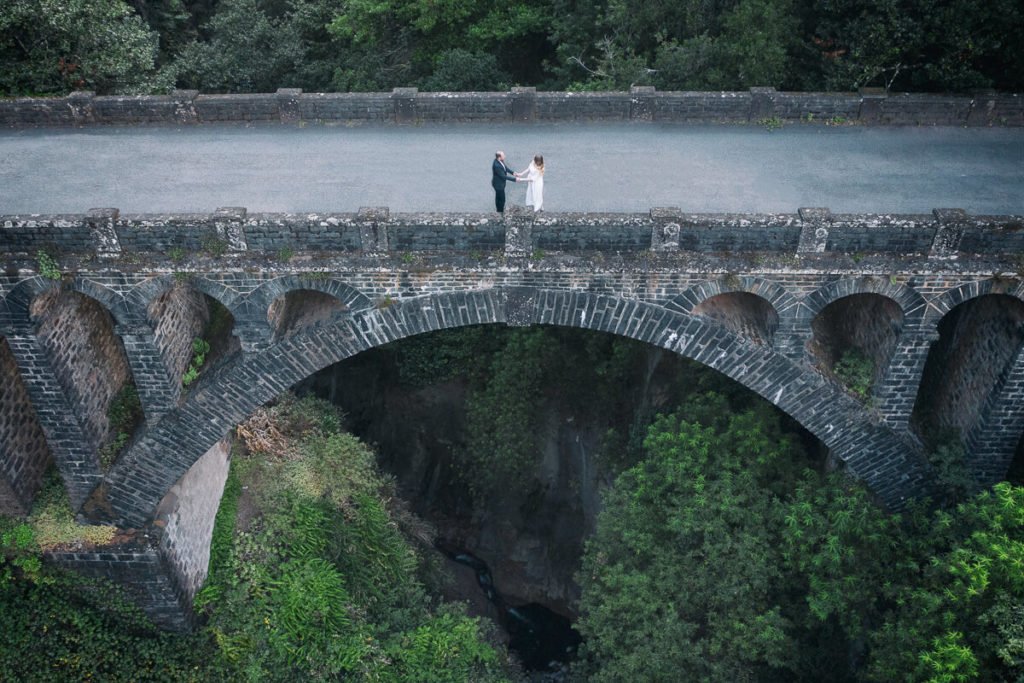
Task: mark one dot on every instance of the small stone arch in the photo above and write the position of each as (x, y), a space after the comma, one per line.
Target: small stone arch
(980, 337)
(869, 448)
(910, 301)
(19, 300)
(197, 301)
(942, 304)
(349, 296)
(24, 450)
(857, 329)
(141, 297)
(294, 301)
(745, 314)
(86, 354)
(771, 292)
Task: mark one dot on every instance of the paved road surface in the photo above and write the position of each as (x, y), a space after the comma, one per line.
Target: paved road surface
(591, 167)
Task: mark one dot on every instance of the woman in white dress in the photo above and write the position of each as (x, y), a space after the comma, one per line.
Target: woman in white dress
(534, 175)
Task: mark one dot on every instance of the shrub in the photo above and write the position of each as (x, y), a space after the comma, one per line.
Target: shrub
(856, 370)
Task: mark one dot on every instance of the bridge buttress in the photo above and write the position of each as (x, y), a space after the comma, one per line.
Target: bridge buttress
(76, 459)
(158, 391)
(896, 392)
(993, 440)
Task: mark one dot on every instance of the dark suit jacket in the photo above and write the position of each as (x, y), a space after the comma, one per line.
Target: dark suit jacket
(500, 174)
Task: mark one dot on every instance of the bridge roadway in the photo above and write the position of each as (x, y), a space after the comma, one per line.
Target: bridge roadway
(591, 167)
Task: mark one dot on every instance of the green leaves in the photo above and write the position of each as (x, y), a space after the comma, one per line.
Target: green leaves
(50, 47)
(687, 546)
(321, 584)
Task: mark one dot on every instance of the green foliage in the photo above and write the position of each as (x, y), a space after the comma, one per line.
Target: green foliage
(284, 254)
(53, 521)
(57, 627)
(214, 246)
(449, 647)
(706, 496)
(176, 254)
(953, 618)
(48, 266)
(48, 47)
(461, 70)
(714, 558)
(442, 356)
(124, 415)
(19, 553)
(856, 370)
(240, 30)
(319, 582)
(51, 48)
(501, 450)
(948, 458)
(200, 347)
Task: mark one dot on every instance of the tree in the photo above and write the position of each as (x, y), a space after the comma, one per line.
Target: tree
(957, 614)
(921, 44)
(50, 47)
(459, 69)
(248, 51)
(681, 580)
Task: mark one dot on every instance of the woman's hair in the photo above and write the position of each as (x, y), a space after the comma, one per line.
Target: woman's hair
(538, 161)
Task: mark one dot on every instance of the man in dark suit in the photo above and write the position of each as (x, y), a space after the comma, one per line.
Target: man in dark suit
(500, 174)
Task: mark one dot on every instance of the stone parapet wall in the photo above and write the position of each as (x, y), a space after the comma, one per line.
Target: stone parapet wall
(373, 230)
(408, 105)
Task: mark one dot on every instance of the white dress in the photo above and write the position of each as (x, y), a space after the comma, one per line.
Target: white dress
(535, 187)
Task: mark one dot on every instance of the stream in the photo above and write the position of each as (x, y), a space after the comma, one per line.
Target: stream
(543, 639)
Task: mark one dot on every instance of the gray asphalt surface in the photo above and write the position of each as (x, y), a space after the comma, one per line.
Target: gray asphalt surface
(590, 167)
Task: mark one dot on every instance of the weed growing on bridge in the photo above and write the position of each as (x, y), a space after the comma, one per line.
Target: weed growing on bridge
(856, 370)
(771, 123)
(176, 254)
(284, 254)
(53, 523)
(214, 246)
(124, 414)
(200, 347)
(48, 266)
(835, 121)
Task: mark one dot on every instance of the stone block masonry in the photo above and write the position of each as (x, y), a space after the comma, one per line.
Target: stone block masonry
(769, 300)
(409, 106)
(235, 230)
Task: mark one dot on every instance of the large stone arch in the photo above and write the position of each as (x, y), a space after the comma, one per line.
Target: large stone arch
(167, 450)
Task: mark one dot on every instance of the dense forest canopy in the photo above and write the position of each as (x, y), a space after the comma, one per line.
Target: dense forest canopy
(148, 46)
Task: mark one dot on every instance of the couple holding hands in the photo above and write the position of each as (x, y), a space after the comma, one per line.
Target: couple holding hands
(534, 175)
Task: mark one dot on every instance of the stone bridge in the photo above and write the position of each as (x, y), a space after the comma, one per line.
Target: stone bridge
(94, 302)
